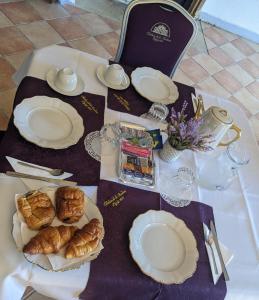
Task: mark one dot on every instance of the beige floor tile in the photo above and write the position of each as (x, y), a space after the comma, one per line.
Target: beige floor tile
(229, 82)
(109, 41)
(69, 28)
(194, 70)
(253, 45)
(90, 45)
(215, 36)
(208, 63)
(41, 34)
(247, 112)
(4, 21)
(205, 25)
(255, 58)
(18, 58)
(6, 101)
(6, 72)
(248, 100)
(227, 35)
(243, 46)
(12, 41)
(180, 76)
(20, 12)
(209, 44)
(74, 10)
(240, 74)
(221, 56)
(232, 51)
(211, 86)
(115, 25)
(253, 88)
(254, 122)
(93, 24)
(48, 10)
(250, 67)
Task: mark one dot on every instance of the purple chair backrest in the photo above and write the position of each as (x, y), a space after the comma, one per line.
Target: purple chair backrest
(155, 33)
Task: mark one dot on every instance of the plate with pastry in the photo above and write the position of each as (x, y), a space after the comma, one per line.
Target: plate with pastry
(61, 242)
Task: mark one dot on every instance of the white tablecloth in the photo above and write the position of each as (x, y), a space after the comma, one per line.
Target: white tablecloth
(233, 209)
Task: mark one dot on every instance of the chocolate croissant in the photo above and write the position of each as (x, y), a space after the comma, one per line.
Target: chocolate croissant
(69, 204)
(85, 240)
(37, 210)
(50, 240)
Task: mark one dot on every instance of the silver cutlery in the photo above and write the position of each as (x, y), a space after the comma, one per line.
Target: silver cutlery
(209, 241)
(51, 180)
(53, 172)
(215, 238)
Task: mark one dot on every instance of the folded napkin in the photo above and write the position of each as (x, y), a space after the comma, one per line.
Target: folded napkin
(31, 183)
(227, 257)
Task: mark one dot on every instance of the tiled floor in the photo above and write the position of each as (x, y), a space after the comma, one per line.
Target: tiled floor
(218, 62)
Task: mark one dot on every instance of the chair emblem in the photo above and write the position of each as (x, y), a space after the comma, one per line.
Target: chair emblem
(160, 32)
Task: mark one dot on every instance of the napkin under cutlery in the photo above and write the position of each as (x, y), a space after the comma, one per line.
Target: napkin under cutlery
(31, 183)
(227, 257)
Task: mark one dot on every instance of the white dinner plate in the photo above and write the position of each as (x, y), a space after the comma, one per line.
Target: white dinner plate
(48, 122)
(50, 77)
(154, 85)
(163, 247)
(100, 75)
(56, 261)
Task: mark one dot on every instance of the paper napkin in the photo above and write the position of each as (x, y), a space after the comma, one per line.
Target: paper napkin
(227, 257)
(31, 183)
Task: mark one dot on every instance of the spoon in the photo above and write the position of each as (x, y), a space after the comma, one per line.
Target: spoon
(53, 172)
(209, 241)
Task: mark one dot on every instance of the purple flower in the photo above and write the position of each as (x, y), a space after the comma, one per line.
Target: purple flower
(184, 134)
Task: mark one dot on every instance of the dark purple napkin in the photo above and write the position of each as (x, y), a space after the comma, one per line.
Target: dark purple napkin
(130, 101)
(114, 275)
(74, 159)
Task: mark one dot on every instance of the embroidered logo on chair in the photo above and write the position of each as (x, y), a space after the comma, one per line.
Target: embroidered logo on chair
(160, 32)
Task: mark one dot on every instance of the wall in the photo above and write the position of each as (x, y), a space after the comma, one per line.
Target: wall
(237, 16)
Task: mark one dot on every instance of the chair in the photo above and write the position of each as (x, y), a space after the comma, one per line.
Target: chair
(155, 33)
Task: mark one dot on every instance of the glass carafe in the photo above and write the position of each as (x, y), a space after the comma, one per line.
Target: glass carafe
(218, 172)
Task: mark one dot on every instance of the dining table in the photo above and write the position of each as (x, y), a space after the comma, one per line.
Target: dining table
(114, 274)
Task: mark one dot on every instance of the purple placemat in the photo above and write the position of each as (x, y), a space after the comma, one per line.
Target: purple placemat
(129, 101)
(114, 275)
(74, 159)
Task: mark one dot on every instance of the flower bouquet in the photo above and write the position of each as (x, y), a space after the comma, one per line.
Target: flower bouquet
(183, 134)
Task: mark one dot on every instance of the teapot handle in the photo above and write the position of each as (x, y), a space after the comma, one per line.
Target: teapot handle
(200, 107)
(238, 135)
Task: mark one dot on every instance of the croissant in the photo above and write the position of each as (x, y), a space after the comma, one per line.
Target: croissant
(69, 204)
(37, 210)
(50, 240)
(85, 240)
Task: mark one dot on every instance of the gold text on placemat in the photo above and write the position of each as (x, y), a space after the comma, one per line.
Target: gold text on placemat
(116, 199)
(124, 102)
(88, 104)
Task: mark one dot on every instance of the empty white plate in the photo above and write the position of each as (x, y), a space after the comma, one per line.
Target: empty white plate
(154, 85)
(163, 247)
(50, 77)
(48, 122)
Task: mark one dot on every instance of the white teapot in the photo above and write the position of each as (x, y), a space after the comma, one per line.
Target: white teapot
(216, 122)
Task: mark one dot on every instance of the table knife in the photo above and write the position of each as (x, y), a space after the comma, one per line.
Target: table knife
(214, 234)
(51, 180)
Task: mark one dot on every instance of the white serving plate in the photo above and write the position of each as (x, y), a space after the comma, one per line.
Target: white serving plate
(154, 85)
(163, 247)
(55, 262)
(51, 76)
(48, 122)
